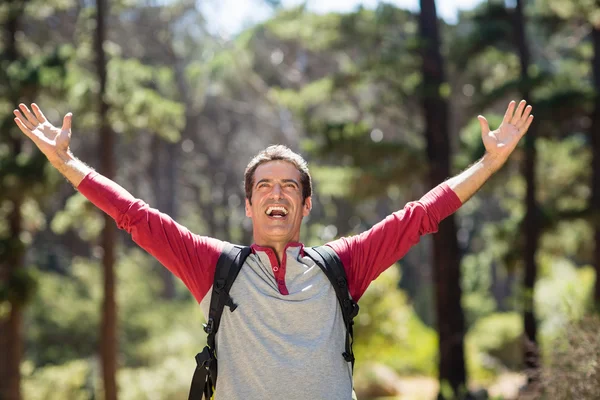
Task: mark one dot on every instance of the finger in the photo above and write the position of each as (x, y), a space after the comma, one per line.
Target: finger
(30, 117)
(23, 120)
(66, 126)
(24, 129)
(519, 113)
(38, 113)
(509, 112)
(524, 118)
(527, 125)
(485, 127)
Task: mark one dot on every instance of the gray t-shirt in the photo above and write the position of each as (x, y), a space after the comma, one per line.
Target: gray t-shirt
(282, 346)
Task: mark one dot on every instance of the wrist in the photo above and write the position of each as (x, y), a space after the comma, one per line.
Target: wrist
(60, 157)
(491, 162)
(68, 165)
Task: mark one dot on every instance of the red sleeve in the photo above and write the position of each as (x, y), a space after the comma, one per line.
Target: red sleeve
(192, 258)
(367, 255)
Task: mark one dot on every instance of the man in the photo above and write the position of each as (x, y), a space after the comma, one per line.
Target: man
(283, 341)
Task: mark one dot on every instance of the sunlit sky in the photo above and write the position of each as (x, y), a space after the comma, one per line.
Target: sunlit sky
(231, 16)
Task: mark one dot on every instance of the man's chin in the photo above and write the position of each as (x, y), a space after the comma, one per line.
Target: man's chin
(278, 232)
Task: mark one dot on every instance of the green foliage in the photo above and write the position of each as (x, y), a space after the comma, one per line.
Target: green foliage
(311, 95)
(74, 380)
(563, 294)
(476, 284)
(75, 314)
(332, 181)
(19, 287)
(75, 302)
(586, 9)
(143, 337)
(78, 216)
(570, 175)
(138, 96)
(494, 344)
(489, 27)
(316, 32)
(167, 379)
(388, 331)
(346, 112)
(152, 357)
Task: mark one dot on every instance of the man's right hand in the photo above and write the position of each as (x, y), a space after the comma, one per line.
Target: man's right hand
(51, 141)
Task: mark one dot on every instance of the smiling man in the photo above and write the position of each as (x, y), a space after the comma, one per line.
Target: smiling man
(283, 341)
(278, 195)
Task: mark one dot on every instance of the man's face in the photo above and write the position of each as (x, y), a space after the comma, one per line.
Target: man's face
(277, 209)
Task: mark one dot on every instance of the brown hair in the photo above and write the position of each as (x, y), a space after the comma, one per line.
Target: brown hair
(278, 153)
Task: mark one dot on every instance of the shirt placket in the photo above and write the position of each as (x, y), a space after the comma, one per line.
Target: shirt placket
(278, 271)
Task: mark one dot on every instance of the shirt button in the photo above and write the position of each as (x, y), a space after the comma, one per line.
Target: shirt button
(275, 269)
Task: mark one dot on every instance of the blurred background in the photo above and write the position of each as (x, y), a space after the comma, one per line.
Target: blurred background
(171, 99)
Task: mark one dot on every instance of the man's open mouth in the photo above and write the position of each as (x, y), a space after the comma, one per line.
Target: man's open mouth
(278, 212)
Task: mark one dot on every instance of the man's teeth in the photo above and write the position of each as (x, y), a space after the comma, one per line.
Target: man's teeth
(281, 209)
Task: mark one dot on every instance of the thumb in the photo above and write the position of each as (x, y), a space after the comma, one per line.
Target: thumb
(67, 122)
(485, 127)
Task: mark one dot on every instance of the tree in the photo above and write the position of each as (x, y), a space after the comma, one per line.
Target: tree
(595, 143)
(108, 335)
(22, 184)
(11, 247)
(450, 318)
(164, 177)
(530, 225)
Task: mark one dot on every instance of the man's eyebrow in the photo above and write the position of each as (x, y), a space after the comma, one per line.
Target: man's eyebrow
(263, 180)
(290, 181)
(268, 180)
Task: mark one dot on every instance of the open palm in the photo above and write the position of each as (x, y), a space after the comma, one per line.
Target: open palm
(502, 141)
(48, 138)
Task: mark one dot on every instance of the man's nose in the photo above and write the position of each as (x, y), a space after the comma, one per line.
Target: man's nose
(276, 191)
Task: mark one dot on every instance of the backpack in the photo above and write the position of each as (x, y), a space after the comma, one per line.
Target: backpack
(228, 266)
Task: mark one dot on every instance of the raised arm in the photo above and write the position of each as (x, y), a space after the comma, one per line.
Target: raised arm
(366, 255)
(192, 258)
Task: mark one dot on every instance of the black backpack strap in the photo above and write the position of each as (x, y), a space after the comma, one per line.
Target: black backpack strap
(332, 266)
(228, 266)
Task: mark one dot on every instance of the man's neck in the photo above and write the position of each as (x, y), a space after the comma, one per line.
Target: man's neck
(277, 247)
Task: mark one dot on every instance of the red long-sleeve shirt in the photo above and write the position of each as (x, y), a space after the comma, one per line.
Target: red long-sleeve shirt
(192, 258)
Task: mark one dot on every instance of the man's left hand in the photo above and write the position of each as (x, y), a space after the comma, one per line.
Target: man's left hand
(500, 143)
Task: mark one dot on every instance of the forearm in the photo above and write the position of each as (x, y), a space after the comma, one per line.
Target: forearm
(467, 183)
(72, 168)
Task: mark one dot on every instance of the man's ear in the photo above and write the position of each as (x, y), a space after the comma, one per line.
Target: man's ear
(248, 208)
(307, 206)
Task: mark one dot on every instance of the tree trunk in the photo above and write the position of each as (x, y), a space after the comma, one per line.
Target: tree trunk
(164, 176)
(11, 338)
(450, 318)
(530, 228)
(11, 247)
(595, 141)
(108, 334)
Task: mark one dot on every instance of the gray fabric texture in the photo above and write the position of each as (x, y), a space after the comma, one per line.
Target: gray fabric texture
(276, 346)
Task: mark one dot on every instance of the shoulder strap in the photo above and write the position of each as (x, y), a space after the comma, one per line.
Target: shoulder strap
(332, 266)
(228, 266)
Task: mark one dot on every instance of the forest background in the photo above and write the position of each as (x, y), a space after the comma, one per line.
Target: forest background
(383, 103)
